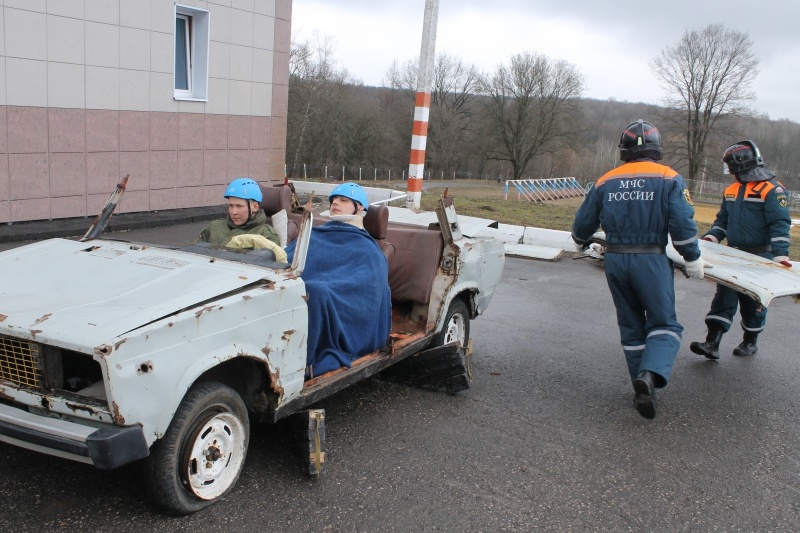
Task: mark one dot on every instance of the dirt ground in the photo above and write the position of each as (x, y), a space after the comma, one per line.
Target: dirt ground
(705, 212)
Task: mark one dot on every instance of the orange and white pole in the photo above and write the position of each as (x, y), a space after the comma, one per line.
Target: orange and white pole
(419, 132)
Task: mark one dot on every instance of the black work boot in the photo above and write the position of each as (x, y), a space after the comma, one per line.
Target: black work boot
(748, 345)
(645, 389)
(710, 348)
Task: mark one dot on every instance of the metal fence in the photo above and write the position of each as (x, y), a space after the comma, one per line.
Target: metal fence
(542, 190)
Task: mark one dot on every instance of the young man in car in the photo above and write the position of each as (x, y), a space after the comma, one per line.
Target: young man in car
(349, 204)
(244, 216)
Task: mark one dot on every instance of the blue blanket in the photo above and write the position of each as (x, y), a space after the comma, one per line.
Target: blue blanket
(349, 305)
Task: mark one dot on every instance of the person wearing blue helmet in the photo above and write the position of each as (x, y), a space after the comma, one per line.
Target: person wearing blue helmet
(346, 277)
(349, 203)
(244, 215)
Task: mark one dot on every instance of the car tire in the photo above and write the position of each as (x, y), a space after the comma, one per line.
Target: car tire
(456, 325)
(201, 455)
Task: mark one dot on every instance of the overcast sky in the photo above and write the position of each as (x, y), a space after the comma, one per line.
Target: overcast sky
(611, 43)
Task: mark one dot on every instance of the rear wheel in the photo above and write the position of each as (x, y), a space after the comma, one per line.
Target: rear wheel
(456, 325)
(201, 455)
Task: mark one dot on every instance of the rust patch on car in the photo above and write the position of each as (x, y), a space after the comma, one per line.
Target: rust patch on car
(203, 310)
(266, 350)
(246, 297)
(78, 407)
(268, 286)
(274, 381)
(3, 318)
(103, 350)
(35, 332)
(118, 344)
(286, 334)
(42, 319)
(243, 277)
(115, 416)
(4, 396)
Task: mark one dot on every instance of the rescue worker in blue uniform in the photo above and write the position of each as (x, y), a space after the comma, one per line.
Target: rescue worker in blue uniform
(639, 204)
(754, 217)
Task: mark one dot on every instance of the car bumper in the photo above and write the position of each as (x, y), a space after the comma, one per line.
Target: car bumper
(106, 448)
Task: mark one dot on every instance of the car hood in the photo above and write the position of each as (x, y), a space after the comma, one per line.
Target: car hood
(83, 294)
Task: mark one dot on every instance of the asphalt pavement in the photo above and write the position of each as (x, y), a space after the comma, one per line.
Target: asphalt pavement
(547, 438)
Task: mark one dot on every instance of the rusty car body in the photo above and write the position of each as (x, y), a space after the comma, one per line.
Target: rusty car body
(113, 351)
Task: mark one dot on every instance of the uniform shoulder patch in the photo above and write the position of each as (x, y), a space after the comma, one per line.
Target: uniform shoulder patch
(782, 201)
(778, 190)
(687, 197)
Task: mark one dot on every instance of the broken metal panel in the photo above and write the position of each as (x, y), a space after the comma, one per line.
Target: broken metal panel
(544, 253)
(548, 238)
(70, 405)
(512, 236)
(761, 279)
(448, 221)
(503, 232)
(102, 219)
(755, 276)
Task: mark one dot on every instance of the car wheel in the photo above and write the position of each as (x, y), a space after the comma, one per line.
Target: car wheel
(200, 457)
(456, 325)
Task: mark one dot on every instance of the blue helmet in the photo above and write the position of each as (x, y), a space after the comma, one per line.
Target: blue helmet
(352, 191)
(244, 188)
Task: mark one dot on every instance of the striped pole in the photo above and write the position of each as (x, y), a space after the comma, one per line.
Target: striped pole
(419, 132)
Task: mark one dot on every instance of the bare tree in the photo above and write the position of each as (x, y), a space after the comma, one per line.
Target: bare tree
(707, 76)
(531, 108)
(315, 80)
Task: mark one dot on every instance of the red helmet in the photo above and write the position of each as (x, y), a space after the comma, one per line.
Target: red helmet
(640, 139)
(742, 156)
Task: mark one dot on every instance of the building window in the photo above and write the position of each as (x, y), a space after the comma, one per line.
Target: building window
(191, 53)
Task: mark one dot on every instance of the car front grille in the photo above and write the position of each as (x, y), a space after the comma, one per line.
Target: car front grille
(21, 362)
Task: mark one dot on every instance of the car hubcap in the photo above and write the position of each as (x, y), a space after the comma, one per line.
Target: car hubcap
(455, 330)
(216, 456)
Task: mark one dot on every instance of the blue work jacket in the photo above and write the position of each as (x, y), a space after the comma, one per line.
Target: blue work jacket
(754, 214)
(640, 202)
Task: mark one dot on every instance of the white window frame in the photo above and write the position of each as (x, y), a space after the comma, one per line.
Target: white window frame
(198, 29)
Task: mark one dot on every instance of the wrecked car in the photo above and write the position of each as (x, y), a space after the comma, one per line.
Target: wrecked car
(113, 352)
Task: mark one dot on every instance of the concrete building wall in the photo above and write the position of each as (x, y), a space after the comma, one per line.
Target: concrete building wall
(86, 97)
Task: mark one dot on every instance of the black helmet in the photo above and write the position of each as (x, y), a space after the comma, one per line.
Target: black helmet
(640, 139)
(742, 156)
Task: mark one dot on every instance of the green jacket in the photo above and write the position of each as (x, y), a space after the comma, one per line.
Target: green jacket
(219, 232)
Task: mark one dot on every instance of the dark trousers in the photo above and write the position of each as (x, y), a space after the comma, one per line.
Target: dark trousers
(723, 309)
(643, 289)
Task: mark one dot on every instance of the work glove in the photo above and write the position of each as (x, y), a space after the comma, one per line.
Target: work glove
(694, 269)
(710, 238)
(249, 241)
(782, 259)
